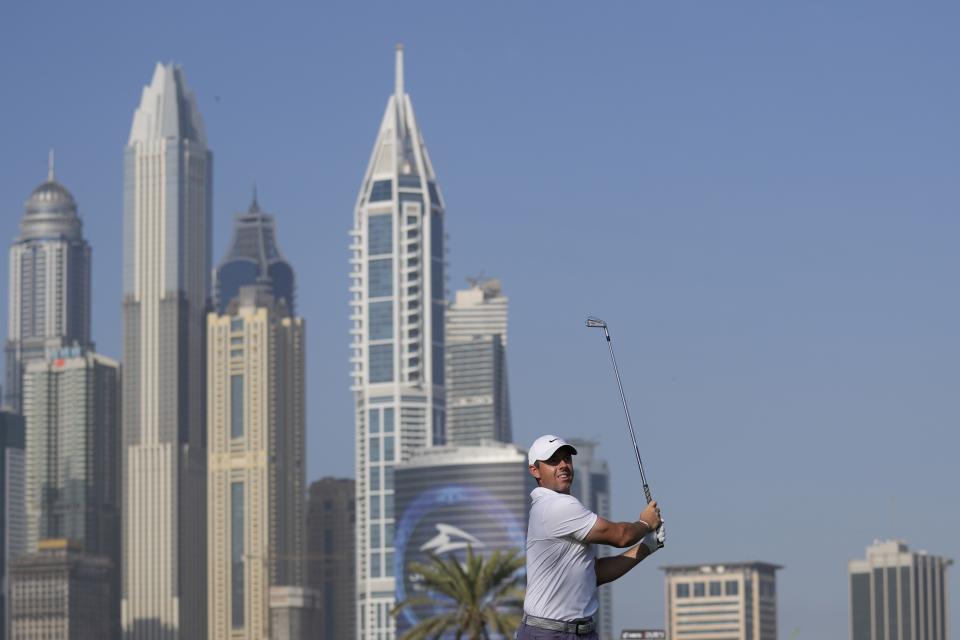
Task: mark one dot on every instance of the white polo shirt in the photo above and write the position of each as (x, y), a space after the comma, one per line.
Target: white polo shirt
(561, 578)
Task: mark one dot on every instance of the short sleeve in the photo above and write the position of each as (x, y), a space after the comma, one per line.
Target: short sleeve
(568, 517)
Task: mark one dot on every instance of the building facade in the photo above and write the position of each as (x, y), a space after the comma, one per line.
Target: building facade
(293, 613)
(478, 396)
(898, 594)
(49, 292)
(397, 311)
(453, 497)
(72, 414)
(13, 532)
(166, 274)
(59, 592)
(331, 524)
(255, 503)
(734, 600)
(591, 486)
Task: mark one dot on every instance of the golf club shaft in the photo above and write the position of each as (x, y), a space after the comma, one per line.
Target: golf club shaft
(626, 413)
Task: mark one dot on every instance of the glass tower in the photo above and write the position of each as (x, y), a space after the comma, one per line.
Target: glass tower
(49, 304)
(397, 314)
(166, 282)
(478, 396)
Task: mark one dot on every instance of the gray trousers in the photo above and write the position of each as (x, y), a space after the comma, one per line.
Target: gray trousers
(526, 632)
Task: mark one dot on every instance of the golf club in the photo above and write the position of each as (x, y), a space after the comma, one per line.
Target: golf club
(597, 323)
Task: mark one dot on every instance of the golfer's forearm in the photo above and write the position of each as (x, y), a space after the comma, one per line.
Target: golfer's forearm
(633, 532)
(610, 568)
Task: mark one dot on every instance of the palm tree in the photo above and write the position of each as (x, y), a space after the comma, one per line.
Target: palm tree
(476, 598)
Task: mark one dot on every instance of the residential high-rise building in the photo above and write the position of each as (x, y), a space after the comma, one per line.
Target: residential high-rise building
(331, 523)
(452, 497)
(734, 600)
(898, 594)
(60, 592)
(591, 486)
(253, 257)
(13, 529)
(478, 396)
(166, 277)
(49, 295)
(255, 502)
(397, 310)
(71, 408)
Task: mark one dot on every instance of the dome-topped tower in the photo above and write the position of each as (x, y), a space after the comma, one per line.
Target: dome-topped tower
(51, 211)
(49, 283)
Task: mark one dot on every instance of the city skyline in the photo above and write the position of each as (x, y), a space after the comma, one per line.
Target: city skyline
(762, 211)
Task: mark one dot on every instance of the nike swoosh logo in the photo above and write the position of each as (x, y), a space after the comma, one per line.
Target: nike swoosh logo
(554, 440)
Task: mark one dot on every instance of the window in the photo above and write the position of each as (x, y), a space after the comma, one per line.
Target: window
(374, 507)
(381, 277)
(381, 320)
(381, 190)
(374, 449)
(388, 477)
(375, 565)
(236, 406)
(236, 555)
(715, 588)
(388, 563)
(388, 452)
(374, 478)
(236, 324)
(381, 362)
(380, 234)
(683, 590)
(699, 589)
(388, 420)
(374, 420)
(374, 536)
(732, 587)
(388, 506)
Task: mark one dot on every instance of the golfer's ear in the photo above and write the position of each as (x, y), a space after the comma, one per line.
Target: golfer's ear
(534, 471)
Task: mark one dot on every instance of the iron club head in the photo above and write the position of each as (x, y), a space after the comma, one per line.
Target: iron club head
(596, 323)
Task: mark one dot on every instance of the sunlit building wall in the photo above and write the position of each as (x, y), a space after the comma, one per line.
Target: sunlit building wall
(397, 314)
(167, 204)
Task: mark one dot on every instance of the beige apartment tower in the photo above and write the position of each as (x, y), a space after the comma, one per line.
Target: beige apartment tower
(733, 601)
(255, 483)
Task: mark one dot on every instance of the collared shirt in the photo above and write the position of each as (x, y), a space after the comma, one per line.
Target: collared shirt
(561, 578)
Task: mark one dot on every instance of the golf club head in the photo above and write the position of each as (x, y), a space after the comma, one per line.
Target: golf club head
(596, 323)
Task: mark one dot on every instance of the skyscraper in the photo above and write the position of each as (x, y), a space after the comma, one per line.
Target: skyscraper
(733, 600)
(13, 529)
(397, 309)
(254, 257)
(166, 229)
(71, 409)
(591, 486)
(898, 594)
(59, 592)
(256, 419)
(331, 555)
(478, 396)
(49, 303)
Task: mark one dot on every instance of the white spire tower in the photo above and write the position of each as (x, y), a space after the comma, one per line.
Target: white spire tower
(397, 310)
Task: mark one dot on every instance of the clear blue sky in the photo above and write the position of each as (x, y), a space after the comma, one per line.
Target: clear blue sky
(761, 198)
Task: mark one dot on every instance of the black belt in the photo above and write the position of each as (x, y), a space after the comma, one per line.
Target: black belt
(582, 627)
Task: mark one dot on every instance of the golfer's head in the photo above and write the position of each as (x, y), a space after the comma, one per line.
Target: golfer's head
(551, 462)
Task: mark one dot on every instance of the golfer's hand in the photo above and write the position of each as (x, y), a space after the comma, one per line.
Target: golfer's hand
(651, 515)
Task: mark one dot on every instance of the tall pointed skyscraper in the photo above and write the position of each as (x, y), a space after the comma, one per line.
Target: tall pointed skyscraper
(166, 282)
(49, 304)
(397, 307)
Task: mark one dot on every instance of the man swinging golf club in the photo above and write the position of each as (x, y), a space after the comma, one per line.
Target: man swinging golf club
(563, 571)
